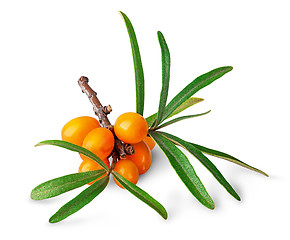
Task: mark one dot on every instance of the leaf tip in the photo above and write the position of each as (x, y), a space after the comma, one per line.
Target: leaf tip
(265, 174)
(260, 171)
(160, 36)
(52, 220)
(210, 204)
(32, 195)
(236, 196)
(165, 216)
(123, 15)
(40, 143)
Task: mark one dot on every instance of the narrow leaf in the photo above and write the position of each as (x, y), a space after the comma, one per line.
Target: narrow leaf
(188, 103)
(80, 200)
(141, 194)
(74, 148)
(179, 119)
(197, 84)
(205, 161)
(139, 75)
(165, 56)
(227, 157)
(183, 169)
(64, 184)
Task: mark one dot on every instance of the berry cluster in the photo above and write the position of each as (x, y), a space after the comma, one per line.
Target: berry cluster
(130, 128)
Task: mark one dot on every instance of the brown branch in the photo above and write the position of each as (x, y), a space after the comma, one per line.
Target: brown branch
(97, 106)
(101, 113)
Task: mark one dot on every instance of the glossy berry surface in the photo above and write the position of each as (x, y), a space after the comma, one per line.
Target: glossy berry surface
(77, 129)
(150, 142)
(90, 165)
(128, 170)
(131, 127)
(100, 141)
(142, 157)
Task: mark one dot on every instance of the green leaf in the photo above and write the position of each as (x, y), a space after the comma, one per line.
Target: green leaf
(165, 56)
(64, 184)
(80, 200)
(179, 119)
(197, 84)
(75, 148)
(188, 103)
(227, 157)
(205, 161)
(139, 75)
(141, 194)
(183, 169)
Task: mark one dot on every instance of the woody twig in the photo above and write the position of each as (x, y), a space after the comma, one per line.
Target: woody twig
(102, 112)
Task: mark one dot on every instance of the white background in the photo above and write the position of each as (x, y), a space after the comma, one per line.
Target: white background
(45, 46)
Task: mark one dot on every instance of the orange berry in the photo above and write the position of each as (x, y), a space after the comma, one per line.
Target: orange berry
(131, 127)
(91, 165)
(100, 141)
(150, 142)
(77, 129)
(141, 157)
(128, 170)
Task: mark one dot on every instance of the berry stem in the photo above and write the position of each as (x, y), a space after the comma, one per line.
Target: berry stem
(101, 113)
(114, 161)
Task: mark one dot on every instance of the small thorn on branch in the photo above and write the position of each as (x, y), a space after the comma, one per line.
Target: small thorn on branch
(129, 149)
(107, 109)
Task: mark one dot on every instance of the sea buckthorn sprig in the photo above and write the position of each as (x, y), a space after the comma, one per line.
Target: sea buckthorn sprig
(123, 150)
